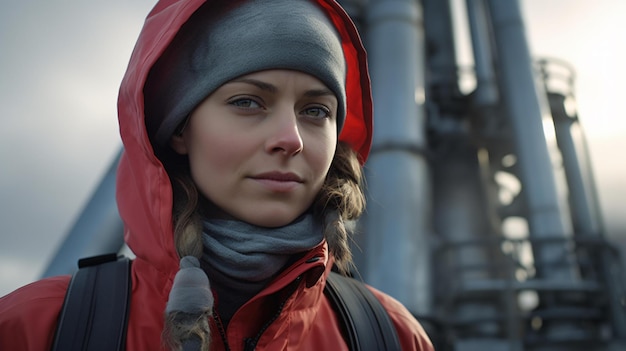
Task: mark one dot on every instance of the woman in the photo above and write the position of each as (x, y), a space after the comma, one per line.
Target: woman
(244, 125)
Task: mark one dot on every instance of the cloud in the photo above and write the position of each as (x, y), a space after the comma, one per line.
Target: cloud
(62, 63)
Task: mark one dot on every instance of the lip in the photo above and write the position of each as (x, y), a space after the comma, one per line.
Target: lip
(278, 176)
(278, 181)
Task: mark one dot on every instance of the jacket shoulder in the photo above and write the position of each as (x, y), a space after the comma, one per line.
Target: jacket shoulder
(410, 332)
(28, 315)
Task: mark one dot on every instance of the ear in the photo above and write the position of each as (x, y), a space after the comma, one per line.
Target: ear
(177, 142)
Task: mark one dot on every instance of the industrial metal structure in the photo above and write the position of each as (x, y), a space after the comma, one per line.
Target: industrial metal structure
(482, 214)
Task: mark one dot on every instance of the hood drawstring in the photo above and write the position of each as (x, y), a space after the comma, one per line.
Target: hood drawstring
(191, 292)
(190, 301)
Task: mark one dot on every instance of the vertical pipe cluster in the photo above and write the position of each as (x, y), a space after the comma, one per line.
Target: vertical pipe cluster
(462, 218)
(547, 217)
(583, 199)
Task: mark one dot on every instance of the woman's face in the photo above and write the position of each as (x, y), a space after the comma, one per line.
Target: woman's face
(260, 146)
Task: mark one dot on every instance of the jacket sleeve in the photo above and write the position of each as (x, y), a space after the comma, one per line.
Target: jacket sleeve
(28, 316)
(410, 332)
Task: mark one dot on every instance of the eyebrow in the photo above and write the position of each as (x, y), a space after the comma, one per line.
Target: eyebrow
(273, 89)
(318, 93)
(257, 83)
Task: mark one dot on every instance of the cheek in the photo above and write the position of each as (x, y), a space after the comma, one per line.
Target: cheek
(211, 158)
(323, 153)
(329, 148)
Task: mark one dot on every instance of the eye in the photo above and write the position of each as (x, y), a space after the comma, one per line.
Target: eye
(317, 112)
(246, 103)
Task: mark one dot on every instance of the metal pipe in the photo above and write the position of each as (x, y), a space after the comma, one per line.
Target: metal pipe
(442, 72)
(486, 93)
(397, 222)
(583, 199)
(460, 216)
(558, 81)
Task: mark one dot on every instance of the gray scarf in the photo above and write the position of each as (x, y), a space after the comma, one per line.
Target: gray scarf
(240, 259)
(246, 252)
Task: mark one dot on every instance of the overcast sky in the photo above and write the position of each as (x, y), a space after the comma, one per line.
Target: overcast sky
(61, 63)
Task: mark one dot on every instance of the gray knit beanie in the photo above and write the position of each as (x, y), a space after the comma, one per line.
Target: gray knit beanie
(220, 43)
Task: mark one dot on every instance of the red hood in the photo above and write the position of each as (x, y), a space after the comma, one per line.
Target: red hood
(144, 193)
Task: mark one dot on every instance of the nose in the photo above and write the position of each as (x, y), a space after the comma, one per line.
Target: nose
(285, 137)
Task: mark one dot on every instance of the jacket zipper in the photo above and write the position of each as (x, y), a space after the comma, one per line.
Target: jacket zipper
(250, 343)
(220, 328)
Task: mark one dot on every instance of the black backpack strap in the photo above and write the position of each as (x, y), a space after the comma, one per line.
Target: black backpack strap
(96, 304)
(366, 322)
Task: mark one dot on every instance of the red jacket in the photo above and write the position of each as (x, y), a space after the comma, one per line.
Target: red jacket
(29, 315)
